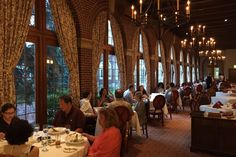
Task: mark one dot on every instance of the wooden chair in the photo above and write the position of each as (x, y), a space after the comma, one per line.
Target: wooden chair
(172, 101)
(158, 104)
(187, 97)
(124, 118)
(7, 155)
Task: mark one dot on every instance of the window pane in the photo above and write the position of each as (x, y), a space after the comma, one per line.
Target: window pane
(110, 35)
(188, 74)
(49, 17)
(197, 73)
(100, 75)
(25, 84)
(57, 79)
(193, 74)
(171, 54)
(172, 73)
(159, 50)
(160, 72)
(32, 18)
(181, 70)
(140, 43)
(135, 76)
(142, 74)
(113, 74)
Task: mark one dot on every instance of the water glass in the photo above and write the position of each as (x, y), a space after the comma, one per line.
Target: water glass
(45, 128)
(36, 129)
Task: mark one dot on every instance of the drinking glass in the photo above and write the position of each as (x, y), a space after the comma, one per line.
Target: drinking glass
(44, 143)
(67, 128)
(45, 129)
(36, 129)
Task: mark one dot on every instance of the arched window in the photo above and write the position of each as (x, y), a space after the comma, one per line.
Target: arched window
(111, 70)
(140, 74)
(160, 68)
(41, 75)
(172, 67)
(193, 69)
(181, 69)
(188, 68)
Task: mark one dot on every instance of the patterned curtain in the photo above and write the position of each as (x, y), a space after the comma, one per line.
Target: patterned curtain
(163, 60)
(147, 59)
(98, 37)
(119, 50)
(135, 49)
(66, 33)
(14, 26)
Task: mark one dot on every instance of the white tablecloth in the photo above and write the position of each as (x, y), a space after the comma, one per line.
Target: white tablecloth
(134, 123)
(81, 151)
(224, 99)
(225, 108)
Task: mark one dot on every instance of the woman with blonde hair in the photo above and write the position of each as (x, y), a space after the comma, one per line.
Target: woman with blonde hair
(108, 143)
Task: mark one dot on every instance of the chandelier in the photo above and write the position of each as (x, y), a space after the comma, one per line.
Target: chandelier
(167, 12)
(198, 42)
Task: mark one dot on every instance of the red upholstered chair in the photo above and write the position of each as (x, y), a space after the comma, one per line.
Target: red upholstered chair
(124, 118)
(158, 104)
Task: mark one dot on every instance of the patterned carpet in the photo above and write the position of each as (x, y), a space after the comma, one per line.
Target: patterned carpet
(172, 140)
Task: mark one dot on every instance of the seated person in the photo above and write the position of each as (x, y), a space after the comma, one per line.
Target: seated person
(85, 105)
(108, 143)
(160, 88)
(120, 101)
(69, 115)
(17, 135)
(143, 92)
(128, 94)
(8, 115)
(140, 108)
(104, 97)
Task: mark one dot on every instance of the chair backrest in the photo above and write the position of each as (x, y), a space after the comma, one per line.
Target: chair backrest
(204, 99)
(159, 102)
(123, 114)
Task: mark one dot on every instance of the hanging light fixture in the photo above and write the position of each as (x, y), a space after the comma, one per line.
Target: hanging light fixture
(166, 11)
(198, 42)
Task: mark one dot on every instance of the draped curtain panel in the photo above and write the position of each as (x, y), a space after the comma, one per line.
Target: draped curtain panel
(14, 26)
(146, 59)
(66, 34)
(135, 49)
(98, 38)
(119, 50)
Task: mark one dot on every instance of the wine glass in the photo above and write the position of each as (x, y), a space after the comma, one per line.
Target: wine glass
(36, 129)
(44, 143)
(67, 126)
(45, 129)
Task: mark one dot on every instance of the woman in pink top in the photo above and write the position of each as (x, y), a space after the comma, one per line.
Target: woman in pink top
(108, 143)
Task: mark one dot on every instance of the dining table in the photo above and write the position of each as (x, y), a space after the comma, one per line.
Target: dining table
(65, 149)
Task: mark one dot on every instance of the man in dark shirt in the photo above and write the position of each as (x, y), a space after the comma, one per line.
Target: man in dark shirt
(69, 115)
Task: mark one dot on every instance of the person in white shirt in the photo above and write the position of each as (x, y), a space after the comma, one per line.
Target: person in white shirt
(85, 105)
(128, 95)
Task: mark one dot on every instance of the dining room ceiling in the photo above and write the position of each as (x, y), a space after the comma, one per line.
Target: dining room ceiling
(219, 17)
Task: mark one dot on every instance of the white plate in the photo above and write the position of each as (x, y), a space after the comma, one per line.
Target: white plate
(74, 139)
(56, 131)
